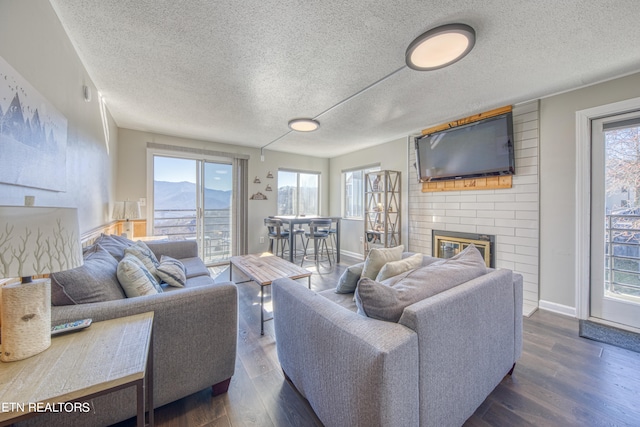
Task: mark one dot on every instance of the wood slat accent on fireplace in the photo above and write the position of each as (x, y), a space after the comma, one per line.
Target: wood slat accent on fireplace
(481, 183)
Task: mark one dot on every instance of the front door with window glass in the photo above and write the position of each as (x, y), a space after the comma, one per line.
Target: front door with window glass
(192, 200)
(615, 220)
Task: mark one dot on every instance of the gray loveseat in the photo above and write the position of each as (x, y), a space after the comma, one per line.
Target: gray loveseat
(434, 367)
(194, 339)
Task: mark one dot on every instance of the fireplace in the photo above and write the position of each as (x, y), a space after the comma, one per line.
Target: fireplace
(449, 243)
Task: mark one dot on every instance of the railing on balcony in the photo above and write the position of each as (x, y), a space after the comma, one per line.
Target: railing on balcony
(622, 256)
(179, 224)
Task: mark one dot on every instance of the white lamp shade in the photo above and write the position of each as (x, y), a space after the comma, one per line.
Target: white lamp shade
(131, 210)
(126, 210)
(38, 240)
(118, 210)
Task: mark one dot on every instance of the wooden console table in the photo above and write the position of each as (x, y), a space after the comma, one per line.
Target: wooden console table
(105, 357)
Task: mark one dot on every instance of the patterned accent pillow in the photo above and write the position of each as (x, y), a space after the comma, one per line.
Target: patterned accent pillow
(135, 279)
(172, 272)
(141, 251)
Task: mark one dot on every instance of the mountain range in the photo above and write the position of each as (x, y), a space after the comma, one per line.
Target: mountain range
(182, 196)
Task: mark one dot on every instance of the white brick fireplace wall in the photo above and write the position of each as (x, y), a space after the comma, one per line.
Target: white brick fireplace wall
(512, 215)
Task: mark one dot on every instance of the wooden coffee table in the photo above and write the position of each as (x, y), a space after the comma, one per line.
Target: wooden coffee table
(263, 269)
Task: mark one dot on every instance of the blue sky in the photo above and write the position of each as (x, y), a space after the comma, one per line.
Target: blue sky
(217, 175)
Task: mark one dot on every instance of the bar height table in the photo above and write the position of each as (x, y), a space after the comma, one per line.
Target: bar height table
(296, 219)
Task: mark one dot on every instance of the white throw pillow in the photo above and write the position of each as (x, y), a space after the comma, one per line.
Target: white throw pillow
(135, 279)
(394, 268)
(378, 257)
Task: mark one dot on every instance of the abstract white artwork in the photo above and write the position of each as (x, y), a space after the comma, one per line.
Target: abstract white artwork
(33, 135)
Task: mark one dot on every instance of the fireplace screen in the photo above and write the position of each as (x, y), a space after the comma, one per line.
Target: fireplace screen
(447, 244)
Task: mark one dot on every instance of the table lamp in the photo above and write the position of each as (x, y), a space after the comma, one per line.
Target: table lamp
(127, 211)
(33, 241)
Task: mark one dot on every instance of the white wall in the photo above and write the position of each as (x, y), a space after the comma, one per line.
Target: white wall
(33, 41)
(557, 184)
(509, 214)
(132, 174)
(391, 156)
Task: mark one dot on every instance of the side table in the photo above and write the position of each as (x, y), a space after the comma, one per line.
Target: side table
(105, 357)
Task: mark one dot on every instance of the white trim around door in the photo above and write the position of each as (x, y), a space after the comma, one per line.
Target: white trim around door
(583, 195)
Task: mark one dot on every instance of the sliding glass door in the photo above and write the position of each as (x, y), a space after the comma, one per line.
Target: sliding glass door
(216, 211)
(192, 199)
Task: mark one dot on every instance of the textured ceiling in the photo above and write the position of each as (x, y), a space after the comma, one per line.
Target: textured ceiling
(237, 71)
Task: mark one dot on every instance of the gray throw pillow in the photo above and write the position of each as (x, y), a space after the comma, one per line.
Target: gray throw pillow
(378, 257)
(387, 300)
(172, 272)
(349, 279)
(135, 279)
(94, 281)
(114, 244)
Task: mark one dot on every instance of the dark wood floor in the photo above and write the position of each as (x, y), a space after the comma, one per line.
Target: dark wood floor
(560, 380)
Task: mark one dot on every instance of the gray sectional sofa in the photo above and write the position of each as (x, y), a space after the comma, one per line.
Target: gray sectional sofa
(434, 367)
(194, 338)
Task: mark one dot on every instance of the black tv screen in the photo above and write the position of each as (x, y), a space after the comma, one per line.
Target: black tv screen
(482, 148)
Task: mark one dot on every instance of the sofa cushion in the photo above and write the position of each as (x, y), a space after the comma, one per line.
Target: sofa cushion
(194, 267)
(394, 268)
(114, 244)
(344, 300)
(349, 279)
(141, 251)
(172, 272)
(378, 257)
(387, 300)
(135, 279)
(94, 281)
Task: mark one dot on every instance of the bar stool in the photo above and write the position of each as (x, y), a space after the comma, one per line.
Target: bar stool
(277, 234)
(296, 232)
(319, 233)
(333, 232)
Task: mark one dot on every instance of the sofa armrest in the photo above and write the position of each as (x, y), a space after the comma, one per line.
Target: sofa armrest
(177, 249)
(354, 371)
(194, 334)
(468, 341)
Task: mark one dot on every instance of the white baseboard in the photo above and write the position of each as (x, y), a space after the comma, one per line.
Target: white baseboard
(557, 308)
(351, 254)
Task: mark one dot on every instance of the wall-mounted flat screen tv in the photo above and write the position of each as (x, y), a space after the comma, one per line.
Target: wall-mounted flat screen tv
(483, 148)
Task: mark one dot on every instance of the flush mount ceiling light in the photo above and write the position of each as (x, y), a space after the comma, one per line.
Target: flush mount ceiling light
(304, 125)
(440, 47)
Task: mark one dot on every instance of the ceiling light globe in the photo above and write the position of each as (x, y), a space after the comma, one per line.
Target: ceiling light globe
(304, 125)
(440, 47)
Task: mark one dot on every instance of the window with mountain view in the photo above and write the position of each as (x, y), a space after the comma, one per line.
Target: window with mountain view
(298, 193)
(354, 192)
